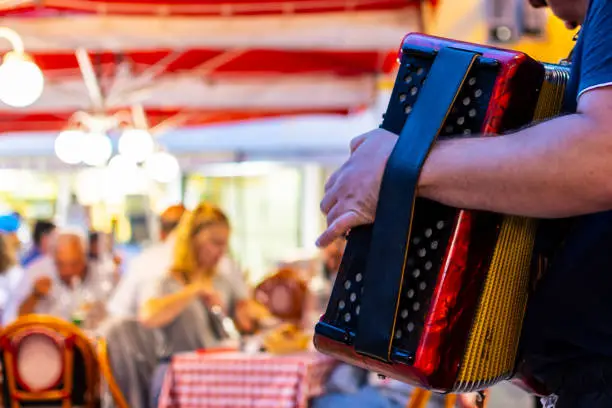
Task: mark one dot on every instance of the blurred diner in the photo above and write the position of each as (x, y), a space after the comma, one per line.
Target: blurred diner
(11, 273)
(192, 302)
(63, 284)
(147, 266)
(42, 236)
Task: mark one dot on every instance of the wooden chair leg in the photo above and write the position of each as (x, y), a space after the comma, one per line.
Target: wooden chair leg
(484, 399)
(419, 398)
(450, 401)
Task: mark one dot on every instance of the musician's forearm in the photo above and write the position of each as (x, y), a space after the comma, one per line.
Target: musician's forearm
(559, 168)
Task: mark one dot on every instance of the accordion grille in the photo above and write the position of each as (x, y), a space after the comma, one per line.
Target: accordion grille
(493, 342)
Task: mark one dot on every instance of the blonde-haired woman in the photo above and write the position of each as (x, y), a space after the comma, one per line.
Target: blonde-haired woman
(180, 304)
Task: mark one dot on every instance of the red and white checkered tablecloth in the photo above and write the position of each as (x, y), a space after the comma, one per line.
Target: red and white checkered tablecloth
(240, 380)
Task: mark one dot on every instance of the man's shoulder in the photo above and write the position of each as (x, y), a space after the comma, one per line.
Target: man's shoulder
(30, 256)
(150, 262)
(41, 266)
(593, 62)
(145, 255)
(596, 5)
(598, 15)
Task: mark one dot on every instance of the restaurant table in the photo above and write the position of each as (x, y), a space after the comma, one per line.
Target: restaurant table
(240, 380)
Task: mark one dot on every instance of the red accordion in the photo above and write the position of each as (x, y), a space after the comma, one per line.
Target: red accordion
(433, 295)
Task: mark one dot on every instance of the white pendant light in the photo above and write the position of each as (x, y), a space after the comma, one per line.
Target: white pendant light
(97, 149)
(120, 166)
(125, 175)
(69, 146)
(162, 167)
(21, 80)
(136, 144)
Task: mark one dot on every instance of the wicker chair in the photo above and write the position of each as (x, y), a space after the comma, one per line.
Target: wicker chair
(283, 294)
(107, 372)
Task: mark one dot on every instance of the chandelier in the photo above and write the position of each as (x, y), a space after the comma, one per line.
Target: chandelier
(86, 141)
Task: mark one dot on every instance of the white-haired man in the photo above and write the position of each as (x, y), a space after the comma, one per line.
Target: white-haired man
(56, 284)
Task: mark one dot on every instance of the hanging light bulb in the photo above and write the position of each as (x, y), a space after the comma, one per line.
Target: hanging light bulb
(21, 80)
(162, 167)
(69, 146)
(120, 165)
(125, 175)
(136, 144)
(96, 149)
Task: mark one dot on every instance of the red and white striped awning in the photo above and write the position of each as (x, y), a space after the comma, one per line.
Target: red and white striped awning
(205, 86)
(196, 7)
(207, 60)
(358, 25)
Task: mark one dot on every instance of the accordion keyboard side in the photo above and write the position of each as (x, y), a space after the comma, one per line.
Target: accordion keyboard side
(492, 348)
(433, 224)
(343, 308)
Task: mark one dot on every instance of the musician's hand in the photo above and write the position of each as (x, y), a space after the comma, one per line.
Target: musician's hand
(351, 193)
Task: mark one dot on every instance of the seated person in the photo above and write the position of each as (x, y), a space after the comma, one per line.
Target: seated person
(11, 272)
(147, 266)
(58, 284)
(41, 242)
(10, 224)
(180, 304)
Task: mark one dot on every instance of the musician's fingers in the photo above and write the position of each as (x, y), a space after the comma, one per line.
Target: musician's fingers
(333, 179)
(334, 213)
(338, 228)
(355, 143)
(358, 141)
(329, 200)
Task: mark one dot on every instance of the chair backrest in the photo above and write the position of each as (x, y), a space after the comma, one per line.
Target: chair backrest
(47, 360)
(107, 372)
(284, 294)
(128, 359)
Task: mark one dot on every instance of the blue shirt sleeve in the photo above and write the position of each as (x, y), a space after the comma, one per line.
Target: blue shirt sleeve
(596, 61)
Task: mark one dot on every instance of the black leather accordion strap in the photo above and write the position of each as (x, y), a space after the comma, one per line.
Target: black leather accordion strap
(393, 222)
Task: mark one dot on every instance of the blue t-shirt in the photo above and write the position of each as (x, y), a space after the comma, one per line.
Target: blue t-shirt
(32, 255)
(570, 315)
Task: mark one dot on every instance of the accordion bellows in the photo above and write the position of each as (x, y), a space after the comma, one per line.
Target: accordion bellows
(493, 340)
(448, 314)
